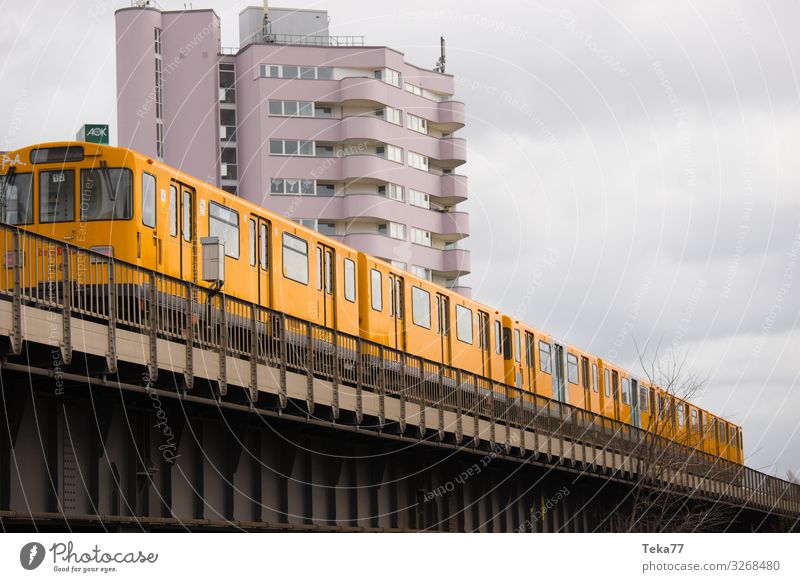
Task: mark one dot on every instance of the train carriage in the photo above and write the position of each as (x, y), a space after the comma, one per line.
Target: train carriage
(124, 205)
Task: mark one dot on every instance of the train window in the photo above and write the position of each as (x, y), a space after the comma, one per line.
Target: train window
(544, 357)
(173, 211)
(572, 368)
(319, 268)
(295, 258)
(16, 204)
(57, 196)
(498, 337)
(607, 383)
(253, 243)
(464, 324)
(595, 382)
(644, 401)
(626, 390)
(421, 307)
(224, 223)
(263, 247)
(187, 216)
(148, 200)
(349, 280)
(681, 414)
(328, 272)
(106, 194)
(376, 289)
(57, 155)
(517, 346)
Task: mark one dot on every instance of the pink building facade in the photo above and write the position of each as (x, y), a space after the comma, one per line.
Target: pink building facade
(350, 140)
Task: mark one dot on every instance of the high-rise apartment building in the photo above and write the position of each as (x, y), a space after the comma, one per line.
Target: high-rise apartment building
(349, 139)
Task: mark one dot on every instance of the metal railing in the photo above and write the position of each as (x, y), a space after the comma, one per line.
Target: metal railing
(259, 37)
(79, 283)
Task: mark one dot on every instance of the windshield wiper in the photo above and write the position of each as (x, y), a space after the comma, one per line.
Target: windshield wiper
(112, 193)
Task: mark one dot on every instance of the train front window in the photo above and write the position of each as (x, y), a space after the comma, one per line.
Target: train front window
(106, 194)
(57, 196)
(16, 199)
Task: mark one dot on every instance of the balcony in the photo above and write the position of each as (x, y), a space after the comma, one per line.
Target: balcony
(453, 189)
(450, 264)
(452, 149)
(451, 115)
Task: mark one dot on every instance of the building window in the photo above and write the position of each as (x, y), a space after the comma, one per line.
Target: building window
(227, 83)
(417, 198)
(393, 229)
(421, 307)
(420, 237)
(227, 163)
(390, 114)
(421, 272)
(227, 125)
(414, 89)
(322, 227)
(545, 365)
(390, 152)
(416, 123)
(295, 258)
(292, 108)
(418, 161)
(293, 186)
(393, 191)
(223, 222)
(291, 147)
(388, 76)
(295, 72)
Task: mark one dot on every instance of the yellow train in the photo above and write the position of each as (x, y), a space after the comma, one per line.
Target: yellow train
(121, 203)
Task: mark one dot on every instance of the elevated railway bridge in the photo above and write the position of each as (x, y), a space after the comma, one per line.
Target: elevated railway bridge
(132, 401)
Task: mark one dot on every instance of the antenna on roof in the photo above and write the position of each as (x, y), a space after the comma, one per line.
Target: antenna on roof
(439, 68)
(266, 29)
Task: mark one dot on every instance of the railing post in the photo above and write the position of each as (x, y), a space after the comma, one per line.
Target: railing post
(476, 436)
(188, 372)
(492, 417)
(223, 343)
(16, 306)
(441, 402)
(253, 353)
(282, 391)
(152, 365)
(111, 353)
(359, 381)
(421, 389)
(335, 375)
(459, 407)
(309, 369)
(66, 308)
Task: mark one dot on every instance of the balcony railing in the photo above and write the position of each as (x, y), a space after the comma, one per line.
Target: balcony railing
(302, 40)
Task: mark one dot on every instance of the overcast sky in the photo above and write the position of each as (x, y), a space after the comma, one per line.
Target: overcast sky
(633, 167)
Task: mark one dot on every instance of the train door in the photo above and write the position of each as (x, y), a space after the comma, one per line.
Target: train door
(585, 378)
(188, 243)
(559, 388)
(264, 270)
(615, 392)
(530, 362)
(397, 311)
(635, 420)
(326, 284)
(173, 238)
(443, 328)
(485, 344)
